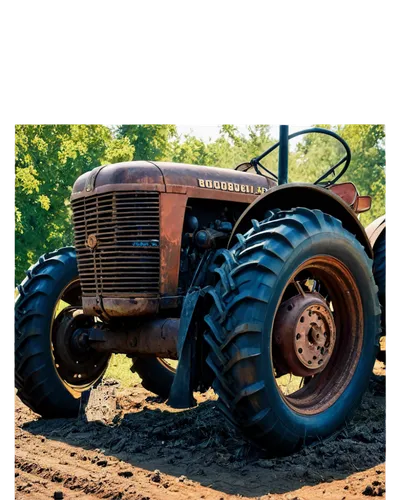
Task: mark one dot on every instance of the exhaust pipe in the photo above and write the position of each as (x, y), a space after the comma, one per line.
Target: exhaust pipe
(157, 337)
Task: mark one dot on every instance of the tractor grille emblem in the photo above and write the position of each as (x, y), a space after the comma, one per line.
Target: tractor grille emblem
(91, 241)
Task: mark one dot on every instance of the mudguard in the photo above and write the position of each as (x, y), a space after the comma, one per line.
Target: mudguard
(181, 394)
(294, 195)
(375, 229)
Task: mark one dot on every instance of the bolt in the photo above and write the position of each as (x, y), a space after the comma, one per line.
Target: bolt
(320, 362)
(309, 362)
(79, 375)
(298, 336)
(314, 357)
(300, 350)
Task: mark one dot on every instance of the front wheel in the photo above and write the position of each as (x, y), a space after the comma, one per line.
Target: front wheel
(51, 367)
(293, 332)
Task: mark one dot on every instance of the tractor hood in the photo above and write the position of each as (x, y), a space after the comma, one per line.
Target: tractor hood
(168, 177)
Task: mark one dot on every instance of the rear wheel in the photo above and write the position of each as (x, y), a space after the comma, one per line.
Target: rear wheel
(52, 367)
(294, 330)
(157, 374)
(380, 278)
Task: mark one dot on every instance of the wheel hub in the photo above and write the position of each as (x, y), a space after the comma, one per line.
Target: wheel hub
(75, 361)
(305, 334)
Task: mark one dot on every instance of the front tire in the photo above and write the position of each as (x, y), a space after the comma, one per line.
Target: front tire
(48, 380)
(260, 277)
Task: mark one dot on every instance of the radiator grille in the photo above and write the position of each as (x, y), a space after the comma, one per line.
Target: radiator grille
(124, 228)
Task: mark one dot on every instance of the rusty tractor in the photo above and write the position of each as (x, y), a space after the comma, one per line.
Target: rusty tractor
(261, 289)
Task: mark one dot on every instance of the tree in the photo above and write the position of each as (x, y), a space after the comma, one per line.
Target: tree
(48, 159)
(367, 168)
(316, 153)
(151, 142)
(229, 150)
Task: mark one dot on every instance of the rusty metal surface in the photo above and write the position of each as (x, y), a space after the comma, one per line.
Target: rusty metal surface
(362, 204)
(153, 338)
(117, 239)
(141, 173)
(115, 215)
(221, 183)
(375, 229)
(302, 195)
(120, 306)
(173, 177)
(344, 300)
(172, 209)
(305, 332)
(347, 191)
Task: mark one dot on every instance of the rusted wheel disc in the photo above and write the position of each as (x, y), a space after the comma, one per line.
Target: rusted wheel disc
(317, 334)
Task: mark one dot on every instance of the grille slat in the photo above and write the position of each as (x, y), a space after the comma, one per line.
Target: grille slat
(126, 260)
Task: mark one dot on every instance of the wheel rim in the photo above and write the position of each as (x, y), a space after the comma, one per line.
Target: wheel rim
(317, 335)
(170, 364)
(77, 368)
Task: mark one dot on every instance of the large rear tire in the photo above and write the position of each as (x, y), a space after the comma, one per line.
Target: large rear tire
(380, 279)
(156, 374)
(258, 280)
(380, 271)
(48, 379)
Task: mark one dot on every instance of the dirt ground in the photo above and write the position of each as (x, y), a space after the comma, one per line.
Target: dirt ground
(135, 447)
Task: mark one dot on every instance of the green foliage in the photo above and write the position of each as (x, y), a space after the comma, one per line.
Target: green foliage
(151, 142)
(119, 150)
(367, 168)
(49, 158)
(119, 368)
(229, 150)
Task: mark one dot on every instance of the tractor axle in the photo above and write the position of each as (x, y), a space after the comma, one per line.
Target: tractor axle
(153, 338)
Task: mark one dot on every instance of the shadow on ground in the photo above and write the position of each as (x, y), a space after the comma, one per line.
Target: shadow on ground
(200, 445)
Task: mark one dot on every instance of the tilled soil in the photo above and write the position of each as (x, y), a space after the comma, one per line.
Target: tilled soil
(133, 446)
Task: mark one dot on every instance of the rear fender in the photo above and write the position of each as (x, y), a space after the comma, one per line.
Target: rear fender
(375, 229)
(294, 195)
